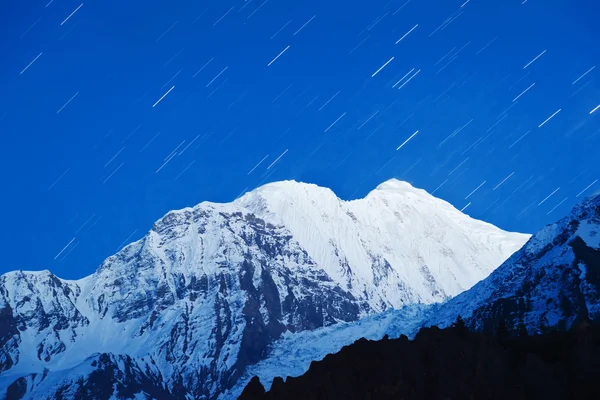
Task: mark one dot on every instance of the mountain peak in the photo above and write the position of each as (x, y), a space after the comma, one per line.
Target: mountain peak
(396, 185)
(41, 274)
(293, 188)
(289, 188)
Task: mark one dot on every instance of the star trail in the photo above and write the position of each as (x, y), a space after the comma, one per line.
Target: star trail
(113, 113)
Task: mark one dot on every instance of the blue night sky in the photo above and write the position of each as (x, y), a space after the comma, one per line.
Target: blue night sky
(90, 158)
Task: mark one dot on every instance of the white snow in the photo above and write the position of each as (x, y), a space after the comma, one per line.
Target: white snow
(405, 226)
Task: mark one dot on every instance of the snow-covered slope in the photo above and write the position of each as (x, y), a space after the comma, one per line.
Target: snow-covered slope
(188, 308)
(551, 281)
(399, 245)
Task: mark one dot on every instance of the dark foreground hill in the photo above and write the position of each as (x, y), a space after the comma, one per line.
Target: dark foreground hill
(452, 363)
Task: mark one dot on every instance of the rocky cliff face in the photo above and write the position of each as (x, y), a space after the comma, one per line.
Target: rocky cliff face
(551, 281)
(183, 312)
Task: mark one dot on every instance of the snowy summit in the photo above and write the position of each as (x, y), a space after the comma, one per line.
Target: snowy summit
(398, 245)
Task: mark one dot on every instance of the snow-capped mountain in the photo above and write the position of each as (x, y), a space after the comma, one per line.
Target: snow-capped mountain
(184, 311)
(549, 283)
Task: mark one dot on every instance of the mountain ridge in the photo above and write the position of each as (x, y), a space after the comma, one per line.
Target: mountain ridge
(546, 284)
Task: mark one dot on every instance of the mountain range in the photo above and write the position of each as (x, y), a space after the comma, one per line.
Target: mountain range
(212, 294)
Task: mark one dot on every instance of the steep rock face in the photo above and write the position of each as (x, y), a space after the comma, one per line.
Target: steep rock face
(41, 304)
(548, 283)
(207, 291)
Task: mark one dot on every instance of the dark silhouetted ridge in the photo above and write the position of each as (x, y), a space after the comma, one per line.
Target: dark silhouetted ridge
(452, 363)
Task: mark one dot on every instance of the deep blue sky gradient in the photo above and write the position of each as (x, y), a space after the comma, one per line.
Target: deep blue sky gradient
(119, 61)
